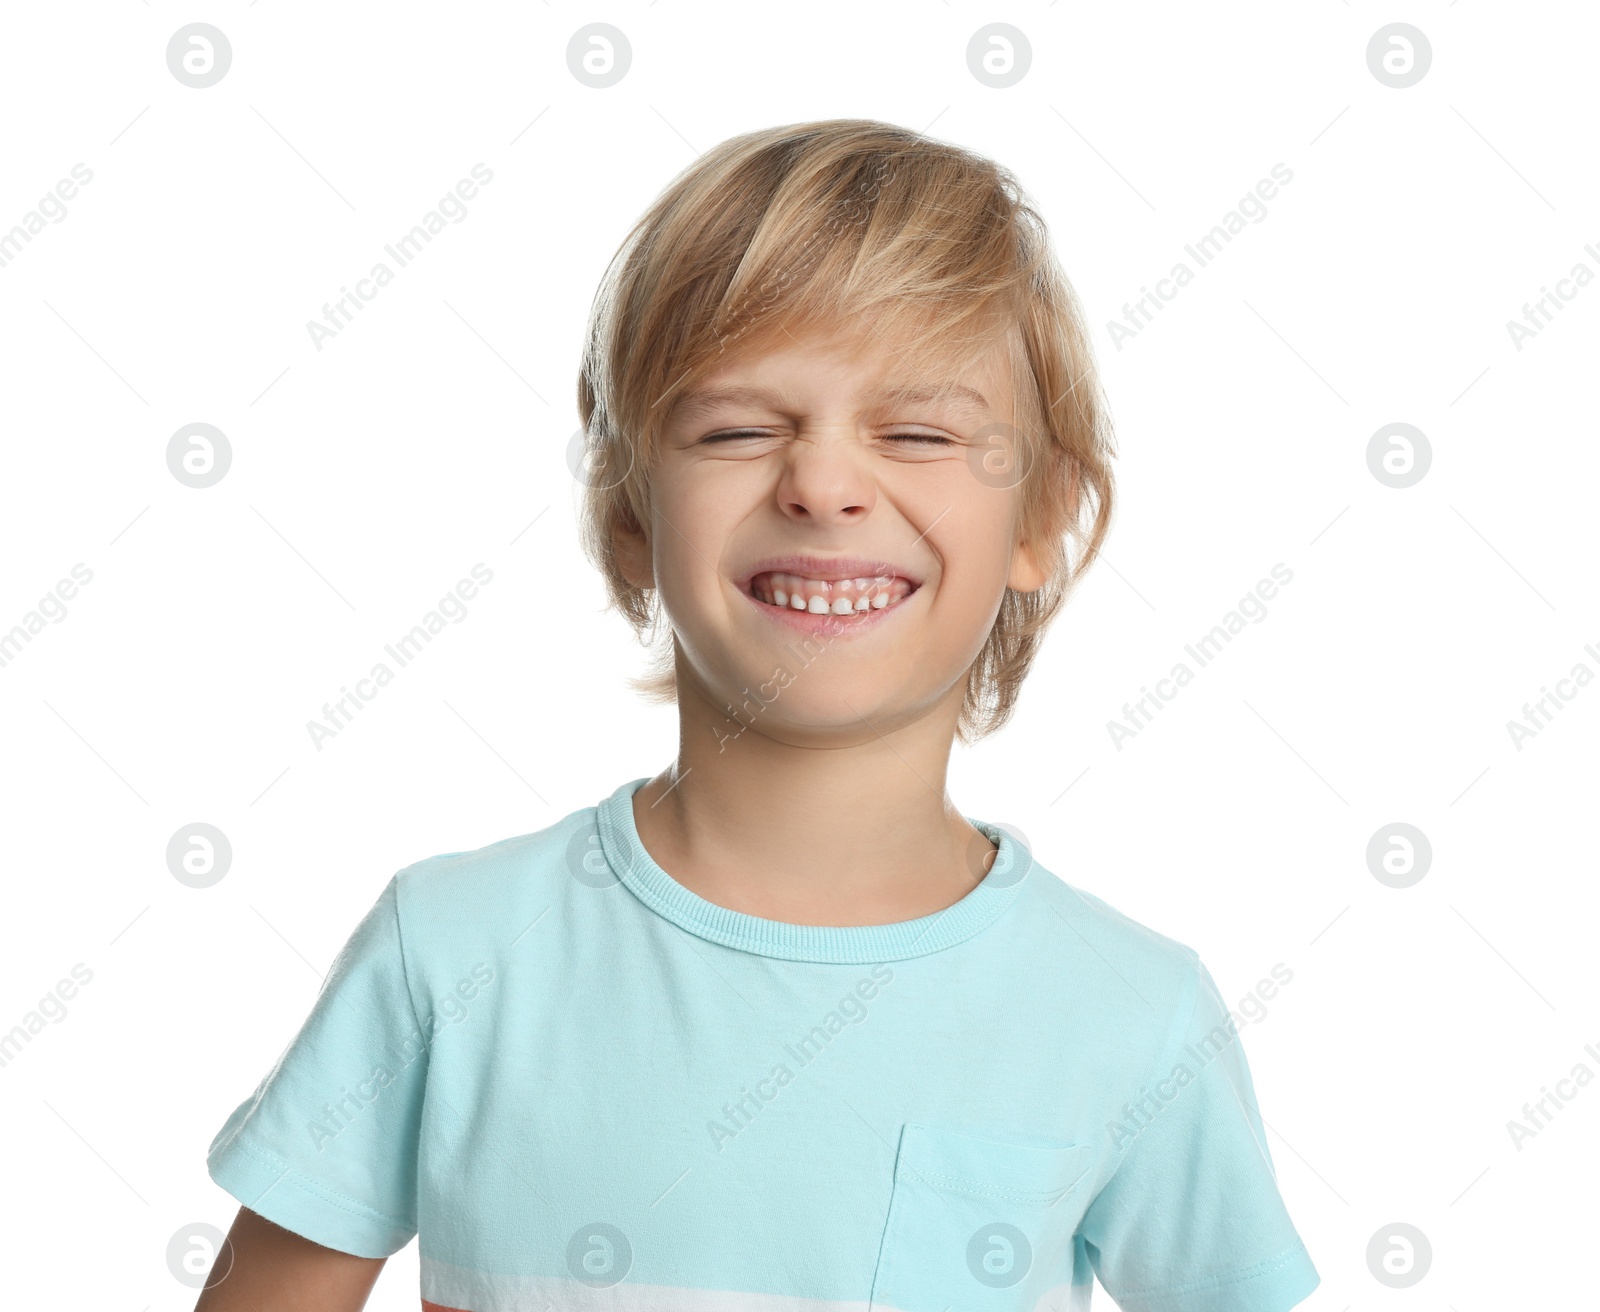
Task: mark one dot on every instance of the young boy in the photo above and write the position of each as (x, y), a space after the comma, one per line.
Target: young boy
(780, 1029)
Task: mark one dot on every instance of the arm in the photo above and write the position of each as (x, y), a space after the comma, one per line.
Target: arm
(274, 1269)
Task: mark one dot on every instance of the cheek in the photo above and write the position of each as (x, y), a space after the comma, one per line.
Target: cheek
(704, 496)
(693, 525)
(975, 541)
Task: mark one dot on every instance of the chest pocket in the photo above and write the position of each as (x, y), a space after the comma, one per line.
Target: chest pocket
(978, 1221)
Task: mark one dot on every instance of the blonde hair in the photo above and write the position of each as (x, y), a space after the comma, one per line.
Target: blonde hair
(811, 226)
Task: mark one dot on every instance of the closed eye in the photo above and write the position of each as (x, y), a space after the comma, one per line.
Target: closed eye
(932, 438)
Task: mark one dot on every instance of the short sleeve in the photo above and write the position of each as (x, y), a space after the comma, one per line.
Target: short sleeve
(326, 1146)
(1191, 1219)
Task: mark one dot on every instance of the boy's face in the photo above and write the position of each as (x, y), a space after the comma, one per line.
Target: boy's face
(827, 556)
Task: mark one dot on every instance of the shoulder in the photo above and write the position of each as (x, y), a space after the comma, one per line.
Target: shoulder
(484, 885)
(1148, 978)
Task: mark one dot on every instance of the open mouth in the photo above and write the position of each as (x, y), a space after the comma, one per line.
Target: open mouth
(840, 597)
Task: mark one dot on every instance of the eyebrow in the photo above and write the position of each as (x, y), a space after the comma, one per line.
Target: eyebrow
(696, 404)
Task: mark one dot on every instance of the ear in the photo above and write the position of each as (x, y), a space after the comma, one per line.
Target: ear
(1025, 575)
(631, 548)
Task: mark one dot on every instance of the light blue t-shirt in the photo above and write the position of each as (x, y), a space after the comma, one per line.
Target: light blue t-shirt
(584, 1087)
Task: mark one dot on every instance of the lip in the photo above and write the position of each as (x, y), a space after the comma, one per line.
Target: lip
(828, 568)
(831, 569)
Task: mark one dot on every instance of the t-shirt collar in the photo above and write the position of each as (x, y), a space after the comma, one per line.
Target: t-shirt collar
(840, 944)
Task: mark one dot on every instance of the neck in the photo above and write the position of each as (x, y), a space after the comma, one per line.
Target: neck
(851, 829)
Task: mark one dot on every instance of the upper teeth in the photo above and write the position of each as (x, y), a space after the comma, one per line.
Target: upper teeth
(829, 596)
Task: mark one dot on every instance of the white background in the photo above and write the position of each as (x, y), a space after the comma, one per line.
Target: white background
(431, 435)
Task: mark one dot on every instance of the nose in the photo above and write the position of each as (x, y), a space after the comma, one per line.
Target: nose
(825, 482)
